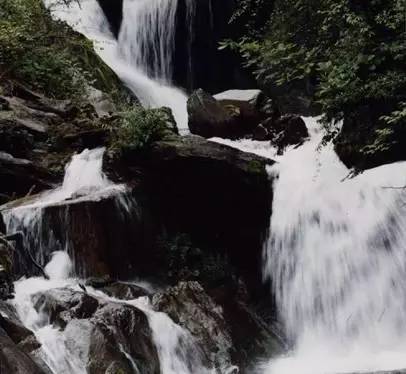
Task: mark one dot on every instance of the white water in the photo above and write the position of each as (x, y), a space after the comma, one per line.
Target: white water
(142, 56)
(337, 259)
(84, 180)
(66, 351)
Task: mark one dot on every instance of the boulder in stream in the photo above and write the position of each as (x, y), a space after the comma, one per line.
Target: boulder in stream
(189, 306)
(114, 335)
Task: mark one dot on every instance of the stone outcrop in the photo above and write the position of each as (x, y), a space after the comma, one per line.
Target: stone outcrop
(18, 345)
(116, 289)
(231, 114)
(208, 118)
(217, 194)
(189, 306)
(115, 331)
(237, 114)
(102, 233)
(287, 130)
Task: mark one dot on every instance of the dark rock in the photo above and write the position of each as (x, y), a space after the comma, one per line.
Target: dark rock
(359, 143)
(289, 129)
(104, 236)
(92, 138)
(189, 306)
(260, 133)
(115, 331)
(99, 282)
(116, 325)
(208, 118)
(219, 195)
(119, 290)
(230, 114)
(198, 62)
(265, 340)
(20, 335)
(124, 291)
(13, 359)
(113, 9)
(249, 102)
(21, 176)
(62, 305)
(6, 268)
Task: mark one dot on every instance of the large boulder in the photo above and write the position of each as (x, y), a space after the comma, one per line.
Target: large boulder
(189, 306)
(232, 114)
(249, 102)
(266, 339)
(117, 289)
(15, 360)
(217, 194)
(62, 305)
(21, 177)
(208, 118)
(17, 345)
(103, 233)
(289, 129)
(117, 336)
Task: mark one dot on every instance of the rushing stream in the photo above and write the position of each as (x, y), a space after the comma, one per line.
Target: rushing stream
(335, 255)
(66, 351)
(142, 55)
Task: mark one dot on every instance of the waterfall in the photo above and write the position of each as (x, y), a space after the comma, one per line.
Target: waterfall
(84, 181)
(336, 255)
(66, 351)
(142, 55)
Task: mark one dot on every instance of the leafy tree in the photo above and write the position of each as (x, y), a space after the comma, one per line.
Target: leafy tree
(349, 56)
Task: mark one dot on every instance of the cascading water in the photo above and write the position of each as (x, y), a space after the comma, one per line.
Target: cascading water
(336, 256)
(84, 181)
(142, 56)
(66, 351)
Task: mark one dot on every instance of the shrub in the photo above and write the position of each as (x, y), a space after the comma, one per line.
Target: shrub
(186, 262)
(139, 127)
(48, 55)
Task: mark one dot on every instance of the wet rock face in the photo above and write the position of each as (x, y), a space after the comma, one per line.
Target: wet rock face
(217, 194)
(113, 331)
(62, 305)
(208, 118)
(101, 235)
(225, 327)
(113, 9)
(121, 331)
(287, 130)
(231, 114)
(116, 289)
(265, 337)
(189, 306)
(16, 345)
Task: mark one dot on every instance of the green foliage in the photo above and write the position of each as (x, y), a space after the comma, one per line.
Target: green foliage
(351, 54)
(139, 127)
(188, 262)
(46, 54)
